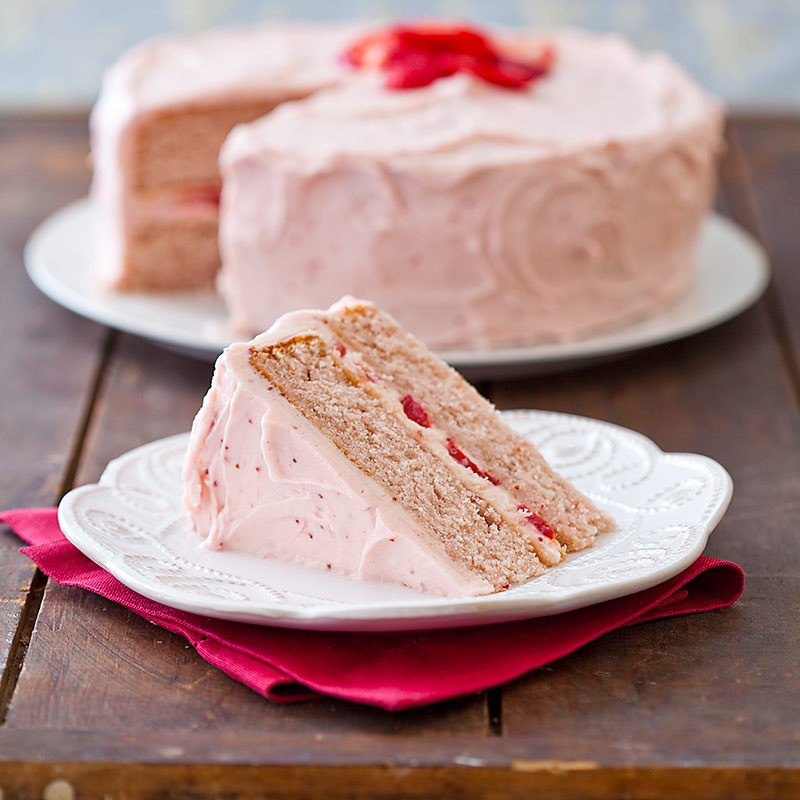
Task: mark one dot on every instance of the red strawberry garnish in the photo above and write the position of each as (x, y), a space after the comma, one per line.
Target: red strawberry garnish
(417, 69)
(370, 51)
(444, 39)
(511, 74)
(415, 56)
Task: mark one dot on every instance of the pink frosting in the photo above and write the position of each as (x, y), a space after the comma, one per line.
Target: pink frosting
(261, 479)
(477, 216)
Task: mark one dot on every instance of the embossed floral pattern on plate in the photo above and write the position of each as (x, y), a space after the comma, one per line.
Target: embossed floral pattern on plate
(665, 505)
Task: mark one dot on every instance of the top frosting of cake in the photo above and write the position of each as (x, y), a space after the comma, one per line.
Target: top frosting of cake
(227, 63)
(577, 105)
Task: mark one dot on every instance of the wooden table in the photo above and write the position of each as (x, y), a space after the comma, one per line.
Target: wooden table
(704, 706)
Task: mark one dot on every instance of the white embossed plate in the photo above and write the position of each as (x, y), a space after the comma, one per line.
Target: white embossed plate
(665, 504)
(732, 272)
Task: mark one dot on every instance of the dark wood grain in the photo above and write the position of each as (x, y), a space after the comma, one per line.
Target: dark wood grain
(147, 393)
(521, 780)
(692, 690)
(15, 582)
(703, 706)
(48, 357)
(769, 164)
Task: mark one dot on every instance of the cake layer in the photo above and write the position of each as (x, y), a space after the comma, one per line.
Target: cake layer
(478, 216)
(173, 251)
(566, 111)
(177, 149)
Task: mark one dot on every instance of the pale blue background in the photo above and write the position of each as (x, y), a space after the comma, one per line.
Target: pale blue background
(52, 52)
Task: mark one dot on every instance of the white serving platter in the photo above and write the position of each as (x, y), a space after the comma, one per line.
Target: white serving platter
(732, 272)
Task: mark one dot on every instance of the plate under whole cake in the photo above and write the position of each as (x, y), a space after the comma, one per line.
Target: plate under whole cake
(732, 272)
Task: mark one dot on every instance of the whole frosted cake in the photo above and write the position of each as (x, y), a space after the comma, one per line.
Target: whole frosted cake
(486, 191)
(338, 441)
(477, 215)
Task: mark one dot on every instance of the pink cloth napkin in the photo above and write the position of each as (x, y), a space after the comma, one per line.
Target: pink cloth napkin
(390, 670)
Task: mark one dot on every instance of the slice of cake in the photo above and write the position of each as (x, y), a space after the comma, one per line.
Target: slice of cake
(339, 441)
